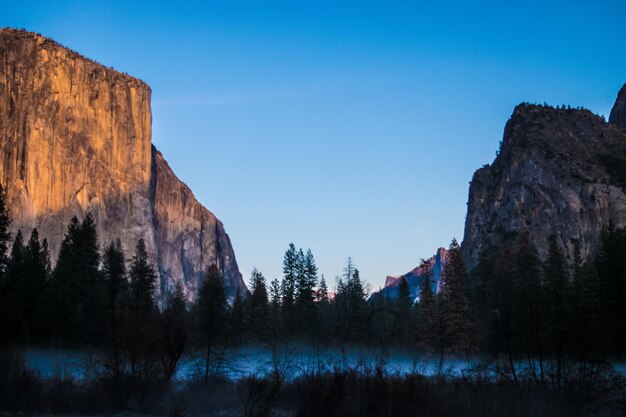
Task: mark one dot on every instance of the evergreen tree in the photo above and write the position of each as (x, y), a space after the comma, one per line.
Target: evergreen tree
(288, 286)
(557, 291)
(404, 310)
(321, 295)
(275, 294)
(350, 304)
(426, 306)
(383, 319)
(65, 291)
(587, 325)
(611, 267)
(11, 324)
(483, 300)
(92, 308)
(77, 293)
(455, 307)
(33, 290)
(141, 309)
(276, 319)
(211, 317)
(12, 293)
(258, 306)
(237, 317)
(522, 302)
(305, 302)
(173, 332)
(16, 269)
(116, 284)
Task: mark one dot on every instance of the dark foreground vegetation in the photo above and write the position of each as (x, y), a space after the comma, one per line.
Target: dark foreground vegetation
(546, 333)
(341, 391)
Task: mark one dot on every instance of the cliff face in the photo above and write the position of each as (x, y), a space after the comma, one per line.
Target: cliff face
(618, 112)
(559, 172)
(76, 137)
(189, 238)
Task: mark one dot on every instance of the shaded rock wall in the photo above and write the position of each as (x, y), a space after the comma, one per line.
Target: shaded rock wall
(559, 172)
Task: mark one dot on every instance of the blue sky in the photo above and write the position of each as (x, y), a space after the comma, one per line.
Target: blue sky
(351, 128)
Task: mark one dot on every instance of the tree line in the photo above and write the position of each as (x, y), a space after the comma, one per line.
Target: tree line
(540, 319)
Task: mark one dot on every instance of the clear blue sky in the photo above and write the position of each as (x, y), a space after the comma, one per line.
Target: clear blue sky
(350, 129)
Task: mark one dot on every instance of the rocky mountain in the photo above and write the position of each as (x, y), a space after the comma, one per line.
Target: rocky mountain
(559, 171)
(413, 277)
(75, 137)
(618, 112)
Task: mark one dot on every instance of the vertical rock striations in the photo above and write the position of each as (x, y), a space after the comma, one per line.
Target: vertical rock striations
(559, 172)
(75, 136)
(189, 238)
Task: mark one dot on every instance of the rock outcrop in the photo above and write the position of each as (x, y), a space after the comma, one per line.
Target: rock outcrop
(75, 137)
(618, 112)
(559, 171)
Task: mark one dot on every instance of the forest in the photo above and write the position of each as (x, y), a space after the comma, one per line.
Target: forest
(552, 329)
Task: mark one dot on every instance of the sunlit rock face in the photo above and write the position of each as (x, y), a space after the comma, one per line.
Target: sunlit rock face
(75, 137)
(559, 172)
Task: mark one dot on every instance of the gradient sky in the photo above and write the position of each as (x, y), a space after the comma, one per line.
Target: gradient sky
(349, 128)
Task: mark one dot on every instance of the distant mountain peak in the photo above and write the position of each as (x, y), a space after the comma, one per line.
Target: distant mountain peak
(413, 277)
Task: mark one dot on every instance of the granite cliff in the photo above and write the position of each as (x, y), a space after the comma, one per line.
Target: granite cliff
(559, 171)
(75, 137)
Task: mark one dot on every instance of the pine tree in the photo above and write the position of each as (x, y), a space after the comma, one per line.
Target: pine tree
(11, 324)
(35, 280)
(404, 310)
(426, 306)
(321, 295)
(116, 283)
(454, 294)
(91, 310)
(275, 294)
(141, 308)
(611, 267)
(557, 291)
(77, 289)
(142, 280)
(237, 317)
(258, 307)
(13, 292)
(276, 317)
(522, 302)
(65, 291)
(586, 322)
(288, 286)
(211, 317)
(350, 304)
(305, 302)
(324, 310)
(173, 332)
(15, 269)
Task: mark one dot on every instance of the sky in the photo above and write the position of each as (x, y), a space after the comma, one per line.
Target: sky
(350, 128)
